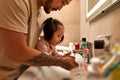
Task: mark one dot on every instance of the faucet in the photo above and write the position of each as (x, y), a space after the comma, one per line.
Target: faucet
(107, 43)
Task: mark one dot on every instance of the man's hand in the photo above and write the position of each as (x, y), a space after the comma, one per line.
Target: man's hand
(69, 62)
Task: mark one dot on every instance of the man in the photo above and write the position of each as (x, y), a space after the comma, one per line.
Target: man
(19, 34)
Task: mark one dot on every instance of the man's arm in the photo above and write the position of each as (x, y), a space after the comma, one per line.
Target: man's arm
(46, 60)
(16, 48)
(15, 45)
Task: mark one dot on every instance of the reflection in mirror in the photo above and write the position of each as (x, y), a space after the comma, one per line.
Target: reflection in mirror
(96, 7)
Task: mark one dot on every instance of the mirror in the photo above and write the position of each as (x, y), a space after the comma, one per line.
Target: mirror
(96, 7)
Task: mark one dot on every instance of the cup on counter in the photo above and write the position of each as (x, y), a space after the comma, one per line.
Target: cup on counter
(77, 46)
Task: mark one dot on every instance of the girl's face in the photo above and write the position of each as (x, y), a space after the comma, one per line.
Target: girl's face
(56, 38)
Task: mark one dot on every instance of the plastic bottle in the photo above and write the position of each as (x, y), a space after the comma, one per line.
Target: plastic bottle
(84, 43)
(85, 53)
(71, 48)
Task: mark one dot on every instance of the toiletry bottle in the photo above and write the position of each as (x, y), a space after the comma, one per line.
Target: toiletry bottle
(71, 48)
(84, 43)
(85, 53)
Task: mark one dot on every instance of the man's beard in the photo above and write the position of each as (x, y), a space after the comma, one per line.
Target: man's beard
(46, 9)
(47, 6)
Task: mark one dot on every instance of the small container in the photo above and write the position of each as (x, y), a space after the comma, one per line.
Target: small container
(77, 46)
(71, 46)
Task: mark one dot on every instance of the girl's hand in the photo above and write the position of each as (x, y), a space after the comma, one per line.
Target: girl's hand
(68, 54)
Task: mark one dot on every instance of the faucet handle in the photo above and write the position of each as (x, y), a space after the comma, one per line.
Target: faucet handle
(108, 37)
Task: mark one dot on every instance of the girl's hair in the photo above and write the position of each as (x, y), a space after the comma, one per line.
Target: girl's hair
(50, 26)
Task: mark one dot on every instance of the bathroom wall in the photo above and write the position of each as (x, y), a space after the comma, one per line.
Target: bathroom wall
(106, 23)
(69, 15)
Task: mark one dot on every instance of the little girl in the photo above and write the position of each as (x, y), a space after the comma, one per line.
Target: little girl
(53, 34)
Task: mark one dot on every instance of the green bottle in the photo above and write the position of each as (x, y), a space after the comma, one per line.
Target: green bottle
(84, 46)
(84, 43)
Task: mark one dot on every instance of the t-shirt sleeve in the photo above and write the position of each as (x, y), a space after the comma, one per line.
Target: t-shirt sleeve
(14, 15)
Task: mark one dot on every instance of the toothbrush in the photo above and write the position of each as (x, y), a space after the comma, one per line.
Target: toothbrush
(116, 53)
(111, 69)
